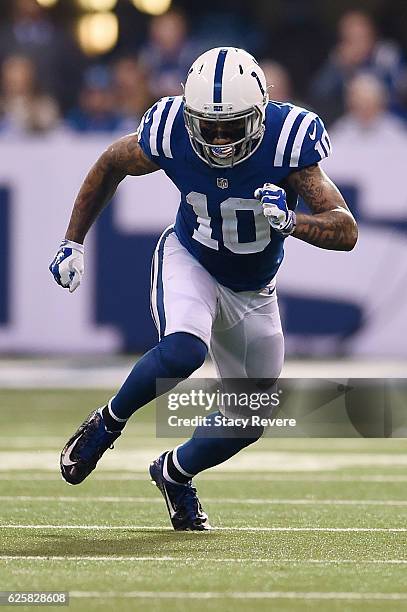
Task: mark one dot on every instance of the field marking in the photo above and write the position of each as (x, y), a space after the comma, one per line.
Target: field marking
(147, 431)
(199, 560)
(218, 500)
(232, 528)
(208, 477)
(62, 374)
(239, 595)
(258, 461)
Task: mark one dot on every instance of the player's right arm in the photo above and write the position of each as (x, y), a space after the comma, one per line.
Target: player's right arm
(122, 158)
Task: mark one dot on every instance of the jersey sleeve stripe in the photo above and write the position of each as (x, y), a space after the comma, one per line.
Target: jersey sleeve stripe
(168, 126)
(324, 148)
(321, 150)
(285, 134)
(326, 141)
(140, 128)
(299, 139)
(155, 125)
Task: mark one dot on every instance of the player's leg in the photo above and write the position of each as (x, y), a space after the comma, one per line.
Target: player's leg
(192, 304)
(247, 342)
(184, 305)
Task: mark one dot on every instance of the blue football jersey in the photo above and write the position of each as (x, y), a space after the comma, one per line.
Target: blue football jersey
(219, 221)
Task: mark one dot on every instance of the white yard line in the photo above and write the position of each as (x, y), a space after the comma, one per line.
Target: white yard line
(259, 461)
(144, 431)
(238, 595)
(211, 476)
(199, 560)
(217, 500)
(248, 529)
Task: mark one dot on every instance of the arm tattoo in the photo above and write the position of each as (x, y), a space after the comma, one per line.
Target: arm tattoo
(124, 157)
(331, 224)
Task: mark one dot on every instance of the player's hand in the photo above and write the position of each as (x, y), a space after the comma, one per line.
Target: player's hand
(275, 209)
(67, 267)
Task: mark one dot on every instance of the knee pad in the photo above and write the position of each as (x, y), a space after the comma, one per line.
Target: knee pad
(181, 354)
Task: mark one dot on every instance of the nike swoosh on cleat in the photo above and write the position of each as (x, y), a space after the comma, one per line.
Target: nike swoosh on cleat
(314, 132)
(169, 504)
(66, 457)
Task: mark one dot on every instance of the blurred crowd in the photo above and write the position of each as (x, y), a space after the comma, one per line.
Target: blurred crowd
(46, 84)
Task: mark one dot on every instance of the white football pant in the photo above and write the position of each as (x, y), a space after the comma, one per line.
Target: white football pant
(241, 329)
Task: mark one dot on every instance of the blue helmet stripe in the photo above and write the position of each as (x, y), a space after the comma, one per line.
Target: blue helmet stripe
(217, 86)
(256, 76)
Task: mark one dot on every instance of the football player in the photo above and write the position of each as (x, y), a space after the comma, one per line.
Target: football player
(240, 162)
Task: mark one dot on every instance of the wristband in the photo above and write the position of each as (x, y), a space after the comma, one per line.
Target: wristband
(70, 244)
(291, 225)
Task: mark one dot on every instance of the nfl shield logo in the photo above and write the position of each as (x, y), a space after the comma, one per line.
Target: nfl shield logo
(222, 183)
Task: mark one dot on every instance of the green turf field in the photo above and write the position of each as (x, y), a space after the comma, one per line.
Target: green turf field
(299, 524)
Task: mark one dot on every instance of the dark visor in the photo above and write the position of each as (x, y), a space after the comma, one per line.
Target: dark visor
(232, 130)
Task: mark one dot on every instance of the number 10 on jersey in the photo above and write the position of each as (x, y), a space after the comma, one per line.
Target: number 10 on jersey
(230, 224)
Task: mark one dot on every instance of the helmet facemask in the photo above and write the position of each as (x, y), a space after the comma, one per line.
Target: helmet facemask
(243, 132)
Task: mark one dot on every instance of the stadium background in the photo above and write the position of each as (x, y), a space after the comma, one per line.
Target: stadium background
(299, 521)
(75, 75)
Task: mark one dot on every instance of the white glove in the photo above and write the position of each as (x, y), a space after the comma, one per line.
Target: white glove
(67, 267)
(275, 209)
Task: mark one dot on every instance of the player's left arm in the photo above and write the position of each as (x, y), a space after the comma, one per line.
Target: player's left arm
(331, 224)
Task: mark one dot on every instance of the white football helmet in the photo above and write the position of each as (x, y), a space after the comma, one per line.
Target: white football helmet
(225, 99)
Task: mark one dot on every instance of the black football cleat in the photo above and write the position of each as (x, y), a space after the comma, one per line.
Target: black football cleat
(182, 502)
(85, 448)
